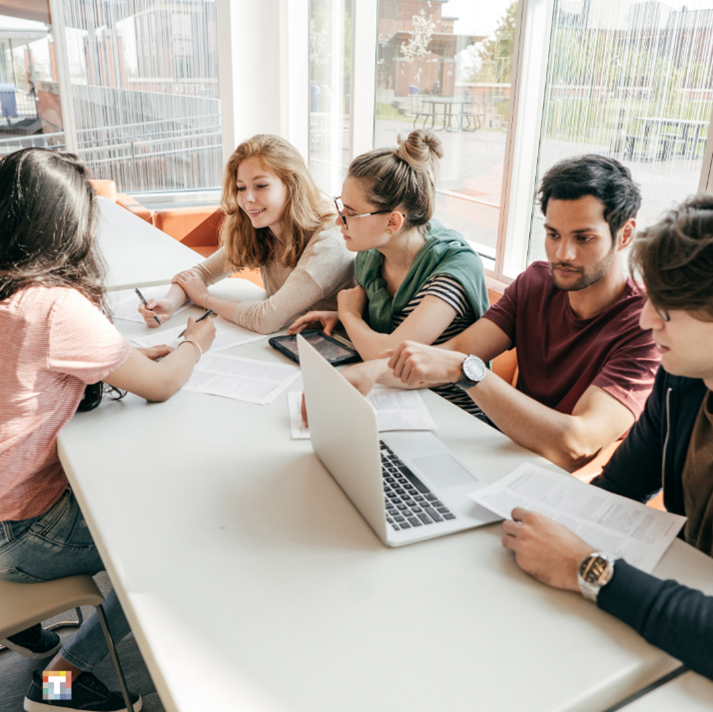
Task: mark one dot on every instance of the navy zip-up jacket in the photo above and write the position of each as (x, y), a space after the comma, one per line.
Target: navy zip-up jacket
(671, 616)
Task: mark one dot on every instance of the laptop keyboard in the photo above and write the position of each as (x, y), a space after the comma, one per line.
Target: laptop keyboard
(409, 503)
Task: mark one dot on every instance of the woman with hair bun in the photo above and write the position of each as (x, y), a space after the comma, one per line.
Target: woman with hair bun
(417, 280)
(277, 221)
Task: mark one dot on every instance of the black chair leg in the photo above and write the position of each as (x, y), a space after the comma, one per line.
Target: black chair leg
(114, 658)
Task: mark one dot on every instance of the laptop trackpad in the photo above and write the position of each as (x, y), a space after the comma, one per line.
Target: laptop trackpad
(445, 471)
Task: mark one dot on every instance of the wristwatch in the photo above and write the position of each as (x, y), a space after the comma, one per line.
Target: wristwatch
(473, 370)
(594, 572)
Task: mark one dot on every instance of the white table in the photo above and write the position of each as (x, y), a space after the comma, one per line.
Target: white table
(688, 693)
(138, 254)
(252, 583)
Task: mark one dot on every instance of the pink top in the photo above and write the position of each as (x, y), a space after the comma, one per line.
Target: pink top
(54, 342)
(560, 356)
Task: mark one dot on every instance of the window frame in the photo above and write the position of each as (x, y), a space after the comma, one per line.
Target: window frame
(279, 96)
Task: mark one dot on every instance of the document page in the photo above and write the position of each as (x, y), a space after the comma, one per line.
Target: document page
(241, 378)
(227, 335)
(127, 302)
(395, 410)
(610, 523)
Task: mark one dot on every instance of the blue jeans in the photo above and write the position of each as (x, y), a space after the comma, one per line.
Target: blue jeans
(53, 545)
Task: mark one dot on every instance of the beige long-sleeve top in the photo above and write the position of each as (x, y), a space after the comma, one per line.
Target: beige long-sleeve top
(325, 268)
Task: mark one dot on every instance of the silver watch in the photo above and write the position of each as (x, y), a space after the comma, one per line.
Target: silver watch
(594, 572)
(473, 371)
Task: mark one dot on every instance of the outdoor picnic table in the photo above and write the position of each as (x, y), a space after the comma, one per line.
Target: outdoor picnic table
(465, 120)
(654, 133)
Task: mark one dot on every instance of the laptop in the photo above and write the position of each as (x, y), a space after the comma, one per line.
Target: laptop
(407, 485)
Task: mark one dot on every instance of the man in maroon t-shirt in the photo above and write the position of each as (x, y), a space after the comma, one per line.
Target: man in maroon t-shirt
(586, 367)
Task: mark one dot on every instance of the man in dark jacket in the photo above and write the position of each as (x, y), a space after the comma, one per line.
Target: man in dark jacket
(671, 445)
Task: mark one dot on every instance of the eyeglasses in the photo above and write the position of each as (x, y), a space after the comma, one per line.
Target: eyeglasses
(340, 209)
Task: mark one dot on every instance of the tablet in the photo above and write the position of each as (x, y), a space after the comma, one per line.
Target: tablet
(334, 351)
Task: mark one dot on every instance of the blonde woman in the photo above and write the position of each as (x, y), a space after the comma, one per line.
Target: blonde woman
(276, 220)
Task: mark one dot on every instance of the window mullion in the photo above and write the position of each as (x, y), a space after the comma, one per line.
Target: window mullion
(69, 120)
(532, 50)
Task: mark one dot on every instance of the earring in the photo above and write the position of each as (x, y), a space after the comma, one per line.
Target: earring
(388, 230)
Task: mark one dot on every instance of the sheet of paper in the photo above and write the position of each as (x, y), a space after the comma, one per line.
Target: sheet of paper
(395, 410)
(298, 428)
(227, 335)
(127, 302)
(610, 523)
(241, 378)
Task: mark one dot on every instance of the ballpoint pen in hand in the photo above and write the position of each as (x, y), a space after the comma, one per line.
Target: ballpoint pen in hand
(146, 304)
(207, 314)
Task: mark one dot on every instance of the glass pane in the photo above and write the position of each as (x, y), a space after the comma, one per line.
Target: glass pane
(30, 104)
(448, 66)
(145, 83)
(633, 81)
(330, 32)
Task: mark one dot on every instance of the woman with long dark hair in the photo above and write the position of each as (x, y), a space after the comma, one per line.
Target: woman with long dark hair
(57, 343)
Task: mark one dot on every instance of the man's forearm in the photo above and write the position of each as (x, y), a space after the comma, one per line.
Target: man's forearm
(543, 430)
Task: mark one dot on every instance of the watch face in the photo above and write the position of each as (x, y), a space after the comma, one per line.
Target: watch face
(473, 369)
(594, 568)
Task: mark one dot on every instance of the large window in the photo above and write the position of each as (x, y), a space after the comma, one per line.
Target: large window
(144, 77)
(330, 57)
(447, 66)
(30, 105)
(143, 80)
(633, 81)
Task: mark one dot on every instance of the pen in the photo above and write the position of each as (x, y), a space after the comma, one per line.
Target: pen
(146, 304)
(207, 314)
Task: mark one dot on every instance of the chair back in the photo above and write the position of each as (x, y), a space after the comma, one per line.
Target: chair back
(105, 188)
(504, 365)
(197, 227)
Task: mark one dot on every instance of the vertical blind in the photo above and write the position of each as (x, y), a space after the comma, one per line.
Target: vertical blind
(632, 80)
(145, 84)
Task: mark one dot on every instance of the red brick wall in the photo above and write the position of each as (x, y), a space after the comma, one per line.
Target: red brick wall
(49, 107)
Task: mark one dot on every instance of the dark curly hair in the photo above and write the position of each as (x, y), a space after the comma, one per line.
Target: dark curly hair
(604, 178)
(675, 258)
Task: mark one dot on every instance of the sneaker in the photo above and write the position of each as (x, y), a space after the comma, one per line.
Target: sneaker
(88, 694)
(35, 643)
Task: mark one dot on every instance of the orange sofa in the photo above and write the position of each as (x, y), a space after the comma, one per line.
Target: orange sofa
(199, 229)
(107, 189)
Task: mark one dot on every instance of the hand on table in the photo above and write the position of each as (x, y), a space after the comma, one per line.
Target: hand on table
(420, 365)
(192, 285)
(326, 320)
(351, 301)
(161, 308)
(546, 550)
(156, 352)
